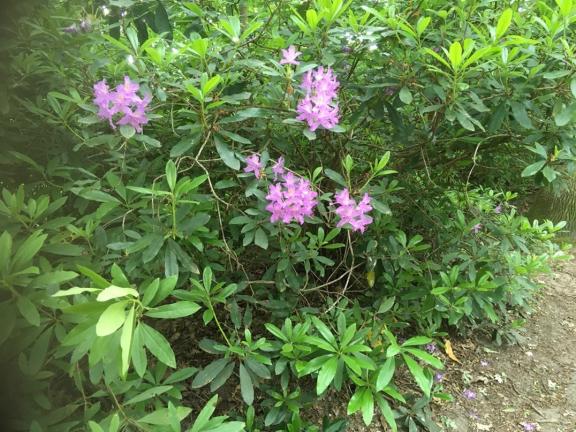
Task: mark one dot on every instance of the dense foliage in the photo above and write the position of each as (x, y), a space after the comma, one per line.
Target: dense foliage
(256, 208)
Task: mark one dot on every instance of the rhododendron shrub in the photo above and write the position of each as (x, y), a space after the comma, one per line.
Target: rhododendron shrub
(218, 216)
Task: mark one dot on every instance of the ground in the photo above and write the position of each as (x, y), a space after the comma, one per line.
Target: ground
(523, 387)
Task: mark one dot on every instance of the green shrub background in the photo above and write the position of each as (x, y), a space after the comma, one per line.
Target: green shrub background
(142, 284)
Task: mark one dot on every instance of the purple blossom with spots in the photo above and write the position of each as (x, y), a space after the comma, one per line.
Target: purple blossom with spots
(291, 199)
(498, 209)
(319, 107)
(529, 426)
(290, 55)
(254, 165)
(469, 394)
(431, 348)
(476, 228)
(123, 101)
(352, 213)
(438, 377)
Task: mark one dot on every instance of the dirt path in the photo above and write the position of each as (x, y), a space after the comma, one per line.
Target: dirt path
(525, 387)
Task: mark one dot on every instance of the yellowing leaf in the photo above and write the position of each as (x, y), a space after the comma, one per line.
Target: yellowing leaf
(371, 278)
(449, 351)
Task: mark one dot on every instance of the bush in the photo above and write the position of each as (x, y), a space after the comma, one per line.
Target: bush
(262, 205)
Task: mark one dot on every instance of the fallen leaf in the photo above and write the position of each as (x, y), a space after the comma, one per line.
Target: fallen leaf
(449, 351)
(482, 427)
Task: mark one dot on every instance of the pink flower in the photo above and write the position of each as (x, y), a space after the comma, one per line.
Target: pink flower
(352, 213)
(291, 199)
(278, 168)
(289, 56)
(528, 427)
(469, 394)
(318, 107)
(122, 100)
(476, 228)
(254, 165)
(498, 209)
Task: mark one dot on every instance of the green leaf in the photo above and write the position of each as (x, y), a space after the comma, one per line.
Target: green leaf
(162, 23)
(385, 374)
(227, 155)
(5, 251)
(138, 353)
(99, 196)
(28, 250)
(405, 95)
(174, 310)
(126, 341)
(54, 278)
(127, 131)
(161, 417)
(234, 426)
(386, 305)
(424, 356)
(531, 170)
(158, 345)
(455, 55)
(367, 406)
(207, 375)
(521, 115)
(326, 375)
(114, 291)
(261, 239)
(98, 280)
(205, 414)
(424, 382)
(28, 310)
(503, 23)
(171, 175)
(355, 402)
(549, 173)
(573, 86)
(417, 340)
(148, 394)
(111, 319)
(335, 176)
(387, 412)
(73, 291)
(246, 386)
(565, 115)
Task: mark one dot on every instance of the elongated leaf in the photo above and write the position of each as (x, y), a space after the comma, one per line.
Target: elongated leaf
(28, 310)
(226, 154)
(385, 374)
(206, 375)
(126, 340)
(246, 385)
(503, 23)
(114, 291)
(326, 375)
(532, 169)
(111, 319)
(158, 345)
(175, 310)
(424, 382)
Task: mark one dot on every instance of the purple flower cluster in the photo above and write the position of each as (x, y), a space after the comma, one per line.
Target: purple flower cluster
(122, 100)
(352, 213)
(291, 199)
(319, 106)
(469, 394)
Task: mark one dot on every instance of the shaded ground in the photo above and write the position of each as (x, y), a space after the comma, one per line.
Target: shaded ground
(530, 386)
